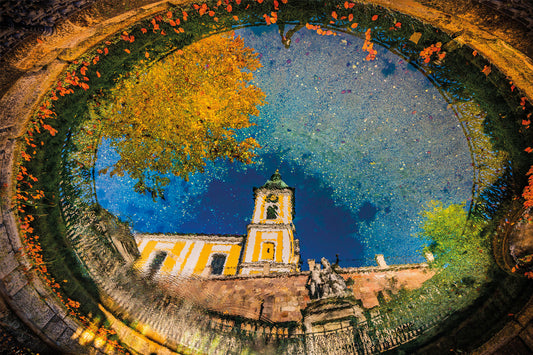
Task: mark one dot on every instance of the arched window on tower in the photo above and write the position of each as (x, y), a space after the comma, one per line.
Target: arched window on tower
(272, 206)
(217, 264)
(272, 212)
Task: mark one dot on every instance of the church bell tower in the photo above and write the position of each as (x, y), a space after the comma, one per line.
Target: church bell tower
(270, 246)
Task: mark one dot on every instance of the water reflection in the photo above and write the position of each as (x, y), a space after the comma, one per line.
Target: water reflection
(376, 143)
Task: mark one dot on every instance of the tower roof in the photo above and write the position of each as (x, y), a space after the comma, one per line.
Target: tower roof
(275, 182)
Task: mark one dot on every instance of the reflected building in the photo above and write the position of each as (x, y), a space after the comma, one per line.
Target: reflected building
(268, 247)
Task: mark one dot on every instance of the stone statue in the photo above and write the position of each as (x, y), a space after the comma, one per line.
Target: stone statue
(325, 283)
(314, 282)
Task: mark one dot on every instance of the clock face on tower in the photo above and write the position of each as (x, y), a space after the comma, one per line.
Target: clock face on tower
(272, 198)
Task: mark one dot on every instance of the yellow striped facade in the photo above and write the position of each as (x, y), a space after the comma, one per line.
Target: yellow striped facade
(269, 245)
(187, 255)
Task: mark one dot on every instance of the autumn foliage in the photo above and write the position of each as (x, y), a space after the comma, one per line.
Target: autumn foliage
(183, 112)
(528, 190)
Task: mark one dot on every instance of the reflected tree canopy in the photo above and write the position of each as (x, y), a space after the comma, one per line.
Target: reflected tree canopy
(456, 240)
(183, 111)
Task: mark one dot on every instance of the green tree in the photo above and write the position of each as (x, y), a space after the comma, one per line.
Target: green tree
(183, 111)
(456, 241)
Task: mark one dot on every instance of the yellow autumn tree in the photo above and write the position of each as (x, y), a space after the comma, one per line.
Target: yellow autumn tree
(184, 111)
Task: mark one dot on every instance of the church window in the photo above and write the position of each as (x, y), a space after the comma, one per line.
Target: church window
(272, 212)
(217, 264)
(268, 251)
(156, 263)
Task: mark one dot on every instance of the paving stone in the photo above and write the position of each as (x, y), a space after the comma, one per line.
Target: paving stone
(8, 262)
(14, 281)
(29, 301)
(55, 327)
(71, 345)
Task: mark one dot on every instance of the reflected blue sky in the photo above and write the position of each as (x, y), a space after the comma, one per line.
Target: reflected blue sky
(365, 144)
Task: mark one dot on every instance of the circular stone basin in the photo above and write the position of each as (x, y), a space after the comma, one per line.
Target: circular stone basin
(387, 128)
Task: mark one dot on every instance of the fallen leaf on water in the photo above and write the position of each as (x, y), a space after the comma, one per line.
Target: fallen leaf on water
(334, 15)
(415, 37)
(354, 25)
(127, 50)
(486, 70)
(474, 53)
(374, 18)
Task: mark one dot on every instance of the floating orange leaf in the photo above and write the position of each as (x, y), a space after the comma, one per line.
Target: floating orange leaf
(486, 70)
(236, 18)
(211, 13)
(147, 55)
(229, 8)
(334, 15)
(354, 25)
(98, 74)
(474, 53)
(374, 18)
(144, 30)
(127, 51)
(50, 129)
(350, 17)
(39, 40)
(106, 51)
(169, 14)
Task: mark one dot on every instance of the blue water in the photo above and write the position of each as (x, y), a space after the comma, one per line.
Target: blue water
(365, 144)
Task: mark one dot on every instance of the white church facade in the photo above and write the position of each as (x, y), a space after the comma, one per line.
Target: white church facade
(269, 245)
